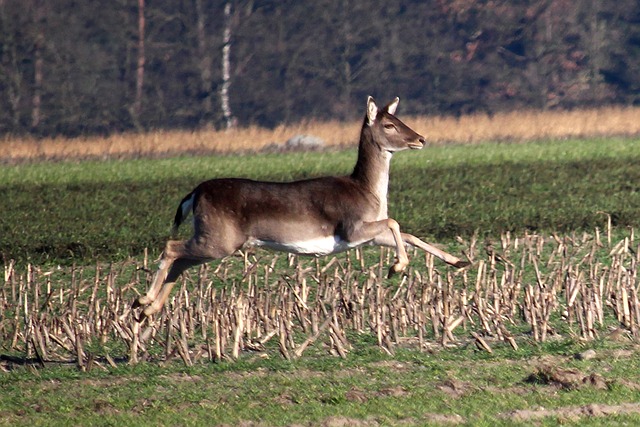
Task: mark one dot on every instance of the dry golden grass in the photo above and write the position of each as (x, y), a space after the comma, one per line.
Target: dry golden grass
(510, 126)
(531, 125)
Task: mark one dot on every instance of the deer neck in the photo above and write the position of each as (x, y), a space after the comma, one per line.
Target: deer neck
(372, 169)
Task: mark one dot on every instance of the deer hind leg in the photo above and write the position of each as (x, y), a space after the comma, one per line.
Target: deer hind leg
(166, 261)
(178, 256)
(178, 267)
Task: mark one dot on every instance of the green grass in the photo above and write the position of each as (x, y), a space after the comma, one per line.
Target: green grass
(107, 211)
(82, 212)
(409, 388)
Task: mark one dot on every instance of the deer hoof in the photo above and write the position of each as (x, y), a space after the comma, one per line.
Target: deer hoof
(149, 310)
(395, 269)
(461, 264)
(139, 302)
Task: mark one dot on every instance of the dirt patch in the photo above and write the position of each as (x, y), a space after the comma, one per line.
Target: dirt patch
(455, 388)
(181, 377)
(624, 353)
(285, 399)
(360, 396)
(104, 407)
(566, 379)
(143, 405)
(573, 412)
(245, 424)
(356, 395)
(339, 421)
(443, 419)
(628, 384)
(391, 365)
(396, 391)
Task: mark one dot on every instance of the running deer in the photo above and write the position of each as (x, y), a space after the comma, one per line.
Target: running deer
(318, 216)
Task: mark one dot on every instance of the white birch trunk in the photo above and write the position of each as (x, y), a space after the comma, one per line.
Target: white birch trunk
(226, 69)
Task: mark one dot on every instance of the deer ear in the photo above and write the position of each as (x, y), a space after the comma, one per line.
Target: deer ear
(372, 111)
(391, 108)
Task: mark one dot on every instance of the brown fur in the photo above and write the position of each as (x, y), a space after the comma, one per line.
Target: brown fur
(313, 217)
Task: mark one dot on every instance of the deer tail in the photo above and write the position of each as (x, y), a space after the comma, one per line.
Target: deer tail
(182, 213)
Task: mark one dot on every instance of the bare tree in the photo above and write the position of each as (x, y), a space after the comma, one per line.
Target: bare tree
(77, 67)
(205, 62)
(137, 104)
(13, 80)
(38, 64)
(226, 68)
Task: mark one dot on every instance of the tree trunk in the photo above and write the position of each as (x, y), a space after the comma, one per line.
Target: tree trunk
(38, 66)
(347, 72)
(137, 105)
(37, 84)
(226, 69)
(205, 62)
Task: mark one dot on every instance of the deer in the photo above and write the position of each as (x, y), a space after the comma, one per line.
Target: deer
(317, 216)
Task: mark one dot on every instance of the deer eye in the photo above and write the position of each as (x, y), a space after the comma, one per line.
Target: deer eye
(389, 126)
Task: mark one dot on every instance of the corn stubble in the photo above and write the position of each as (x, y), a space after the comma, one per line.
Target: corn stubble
(518, 290)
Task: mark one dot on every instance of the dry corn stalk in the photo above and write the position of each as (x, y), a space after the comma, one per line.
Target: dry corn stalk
(51, 316)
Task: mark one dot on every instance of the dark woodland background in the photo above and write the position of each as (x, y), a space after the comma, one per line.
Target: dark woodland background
(94, 67)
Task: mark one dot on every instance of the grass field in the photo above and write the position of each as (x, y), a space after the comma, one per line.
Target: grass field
(550, 226)
(80, 212)
(542, 385)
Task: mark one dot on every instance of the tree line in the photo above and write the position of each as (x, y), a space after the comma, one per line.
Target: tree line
(74, 67)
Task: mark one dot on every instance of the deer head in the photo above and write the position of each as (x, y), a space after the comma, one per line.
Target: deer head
(387, 131)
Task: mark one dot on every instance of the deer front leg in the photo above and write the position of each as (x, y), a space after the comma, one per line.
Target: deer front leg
(387, 239)
(401, 253)
(370, 231)
(444, 256)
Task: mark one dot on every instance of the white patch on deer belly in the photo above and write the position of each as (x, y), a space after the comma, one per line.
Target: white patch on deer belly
(318, 246)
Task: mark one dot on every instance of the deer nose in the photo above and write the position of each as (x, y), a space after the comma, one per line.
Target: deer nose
(417, 145)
